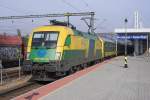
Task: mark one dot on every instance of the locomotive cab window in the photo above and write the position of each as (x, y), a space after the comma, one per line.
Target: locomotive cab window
(46, 39)
(37, 40)
(51, 40)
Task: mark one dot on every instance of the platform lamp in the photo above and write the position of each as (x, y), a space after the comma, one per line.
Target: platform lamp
(125, 53)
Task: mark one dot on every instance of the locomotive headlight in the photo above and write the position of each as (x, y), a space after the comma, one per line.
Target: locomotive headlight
(58, 56)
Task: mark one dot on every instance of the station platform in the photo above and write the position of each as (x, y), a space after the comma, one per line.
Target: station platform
(108, 80)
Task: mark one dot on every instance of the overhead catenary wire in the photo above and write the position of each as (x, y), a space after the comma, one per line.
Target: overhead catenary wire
(87, 5)
(12, 9)
(91, 9)
(4, 4)
(72, 6)
(100, 24)
(47, 15)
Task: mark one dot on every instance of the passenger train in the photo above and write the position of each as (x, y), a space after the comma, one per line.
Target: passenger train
(58, 49)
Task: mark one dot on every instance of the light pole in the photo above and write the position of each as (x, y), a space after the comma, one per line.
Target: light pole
(20, 55)
(125, 53)
(147, 46)
(1, 68)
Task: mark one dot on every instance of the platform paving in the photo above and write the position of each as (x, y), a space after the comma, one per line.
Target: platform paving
(110, 82)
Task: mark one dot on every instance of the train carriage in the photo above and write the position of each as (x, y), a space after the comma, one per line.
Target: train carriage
(109, 47)
(10, 50)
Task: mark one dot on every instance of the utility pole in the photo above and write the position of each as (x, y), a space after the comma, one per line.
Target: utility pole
(125, 55)
(147, 46)
(1, 68)
(19, 63)
(116, 46)
(68, 18)
(90, 24)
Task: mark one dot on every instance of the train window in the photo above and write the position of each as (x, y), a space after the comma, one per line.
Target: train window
(51, 37)
(39, 35)
(37, 39)
(51, 40)
(47, 39)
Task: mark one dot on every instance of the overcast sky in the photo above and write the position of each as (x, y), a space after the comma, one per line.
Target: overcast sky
(110, 14)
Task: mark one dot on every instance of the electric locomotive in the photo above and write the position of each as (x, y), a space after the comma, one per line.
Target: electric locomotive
(58, 49)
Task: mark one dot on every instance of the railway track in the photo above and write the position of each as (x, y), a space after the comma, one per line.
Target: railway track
(11, 93)
(10, 74)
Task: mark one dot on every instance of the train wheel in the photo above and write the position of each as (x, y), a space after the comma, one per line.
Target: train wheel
(79, 67)
(82, 66)
(71, 71)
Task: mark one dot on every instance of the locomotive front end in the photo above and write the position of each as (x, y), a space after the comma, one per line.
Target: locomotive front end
(44, 53)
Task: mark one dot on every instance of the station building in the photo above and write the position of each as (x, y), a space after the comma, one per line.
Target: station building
(140, 38)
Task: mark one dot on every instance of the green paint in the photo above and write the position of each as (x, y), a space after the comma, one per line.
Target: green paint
(49, 54)
(68, 41)
(85, 34)
(109, 47)
(73, 54)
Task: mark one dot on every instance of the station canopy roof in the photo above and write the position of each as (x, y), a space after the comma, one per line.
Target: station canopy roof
(133, 30)
(133, 33)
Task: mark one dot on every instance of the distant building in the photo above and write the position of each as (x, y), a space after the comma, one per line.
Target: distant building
(139, 36)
